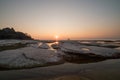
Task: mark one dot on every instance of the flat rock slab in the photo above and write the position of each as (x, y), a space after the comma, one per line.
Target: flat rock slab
(27, 57)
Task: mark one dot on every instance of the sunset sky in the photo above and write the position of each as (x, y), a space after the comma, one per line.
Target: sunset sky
(74, 19)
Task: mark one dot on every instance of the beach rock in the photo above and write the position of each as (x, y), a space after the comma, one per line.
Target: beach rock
(55, 46)
(28, 57)
(83, 49)
(44, 46)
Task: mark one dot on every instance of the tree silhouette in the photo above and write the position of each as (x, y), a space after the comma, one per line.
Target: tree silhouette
(10, 33)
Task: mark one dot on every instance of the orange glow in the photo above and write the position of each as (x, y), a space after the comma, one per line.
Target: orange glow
(56, 36)
(62, 19)
(91, 34)
(56, 42)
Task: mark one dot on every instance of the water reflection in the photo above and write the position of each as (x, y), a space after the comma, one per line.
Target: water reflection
(39, 44)
(82, 58)
(56, 42)
(50, 45)
(85, 49)
(118, 48)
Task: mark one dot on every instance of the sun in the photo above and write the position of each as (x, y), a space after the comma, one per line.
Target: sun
(56, 39)
(56, 36)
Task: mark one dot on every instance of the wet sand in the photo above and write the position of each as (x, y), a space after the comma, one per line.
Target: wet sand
(105, 70)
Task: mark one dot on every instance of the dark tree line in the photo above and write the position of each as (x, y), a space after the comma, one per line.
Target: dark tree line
(10, 33)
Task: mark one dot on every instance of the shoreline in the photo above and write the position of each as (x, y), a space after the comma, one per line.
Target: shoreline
(105, 70)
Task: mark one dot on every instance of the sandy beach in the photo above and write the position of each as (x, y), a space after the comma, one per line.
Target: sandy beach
(105, 70)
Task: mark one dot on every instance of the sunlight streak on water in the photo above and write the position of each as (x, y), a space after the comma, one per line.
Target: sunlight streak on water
(85, 49)
(39, 43)
(51, 48)
(118, 48)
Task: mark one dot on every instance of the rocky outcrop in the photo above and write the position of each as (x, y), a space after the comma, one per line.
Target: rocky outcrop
(10, 33)
(28, 57)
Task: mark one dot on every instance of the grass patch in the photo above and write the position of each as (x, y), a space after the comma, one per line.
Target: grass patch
(98, 45)
(10, 47)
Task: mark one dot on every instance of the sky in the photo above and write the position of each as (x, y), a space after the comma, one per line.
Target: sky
(74, 19)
